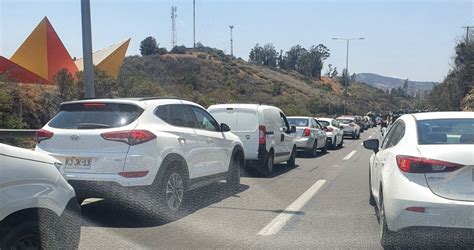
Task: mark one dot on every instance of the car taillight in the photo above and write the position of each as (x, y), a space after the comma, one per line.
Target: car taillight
(262, 135)
(43, 134)
(131, 137)
(410, 164)
(306, 132)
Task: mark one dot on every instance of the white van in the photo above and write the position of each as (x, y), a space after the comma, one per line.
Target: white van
(264, 130)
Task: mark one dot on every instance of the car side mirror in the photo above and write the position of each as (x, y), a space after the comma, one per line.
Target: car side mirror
(225, 127)
(292, 129)
(372, 144)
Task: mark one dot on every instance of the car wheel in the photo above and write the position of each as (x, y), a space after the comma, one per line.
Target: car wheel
(387, 237)
(30, 231)
(358, 135)
(292, 160)
(314, 149)
(172, 194)
(342, 142)
(325, 148)
(354, 135)
(334, 143)
(268, 167)
(233, 176)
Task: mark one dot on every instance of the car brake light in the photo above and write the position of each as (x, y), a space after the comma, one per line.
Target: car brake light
(410, 164)
(416, 209)
(43, 134)
(131, 137)
(262, 135)
(93, 105)
(306, 132)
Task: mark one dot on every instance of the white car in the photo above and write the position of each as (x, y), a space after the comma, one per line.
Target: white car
(350, 127)
(264, 130)
(334, 132)
(310, 135)
(148, 151)
(422, 174)
(38, 208)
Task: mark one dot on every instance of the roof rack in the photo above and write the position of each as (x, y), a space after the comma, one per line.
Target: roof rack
(158, 98)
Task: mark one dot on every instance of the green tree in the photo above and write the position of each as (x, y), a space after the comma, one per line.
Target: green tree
(293, 56)
(65, 82)
(257, 55)
(271, 55)
(148, 46)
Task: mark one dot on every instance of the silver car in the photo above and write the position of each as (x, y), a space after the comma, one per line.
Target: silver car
(350, 127)
(310, 135)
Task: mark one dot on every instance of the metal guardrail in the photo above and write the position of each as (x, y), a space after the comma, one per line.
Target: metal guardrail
(17, 133)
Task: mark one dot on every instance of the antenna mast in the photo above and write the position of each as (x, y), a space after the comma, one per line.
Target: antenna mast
(173, 26)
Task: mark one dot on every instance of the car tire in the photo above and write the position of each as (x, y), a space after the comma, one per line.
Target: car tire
(358, 135)
(28, 231)
(324, 149)
(291, 162)
(354, 135)
(314, 150)
(171, 194)
(342, 142)
(334, 143)
(371, 196)
(388, 238)
(233, 175)
(268, 166)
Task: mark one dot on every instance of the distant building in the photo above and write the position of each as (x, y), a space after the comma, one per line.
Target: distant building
(43, 54)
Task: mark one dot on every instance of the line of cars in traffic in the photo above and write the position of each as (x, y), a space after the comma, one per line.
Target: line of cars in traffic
(148, 152)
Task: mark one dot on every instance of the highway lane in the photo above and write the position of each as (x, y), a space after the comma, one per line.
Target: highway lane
(329, 193)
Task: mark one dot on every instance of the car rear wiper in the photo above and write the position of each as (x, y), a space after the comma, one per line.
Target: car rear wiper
(92, 125)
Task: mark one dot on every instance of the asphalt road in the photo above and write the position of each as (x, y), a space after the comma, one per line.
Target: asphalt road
(322, 203)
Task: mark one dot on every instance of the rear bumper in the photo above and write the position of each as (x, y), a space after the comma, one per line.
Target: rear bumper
(103, 189)
(304, 143)
(261, 159)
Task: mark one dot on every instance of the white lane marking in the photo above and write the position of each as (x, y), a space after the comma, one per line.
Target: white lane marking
(90, 200)
(349, 155)
(280, 221)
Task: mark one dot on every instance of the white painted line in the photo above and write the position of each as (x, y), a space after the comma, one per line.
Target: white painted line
(280, 221)
(349, 155)
(90, 200)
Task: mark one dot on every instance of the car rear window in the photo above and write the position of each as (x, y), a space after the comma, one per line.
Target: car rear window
(299, 122)
(345, 121)
(239, 120)
(324, 123)
(445, 131)
(95, 115)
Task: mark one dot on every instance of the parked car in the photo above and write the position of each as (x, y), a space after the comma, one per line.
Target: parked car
(148, 151)
(350, 128)
(334, 132)
(421, 176)
(360, 122)
(310, 135)
(38, 208)
(265, 133)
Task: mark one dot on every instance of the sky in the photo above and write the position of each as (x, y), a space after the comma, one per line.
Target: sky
(404, 39)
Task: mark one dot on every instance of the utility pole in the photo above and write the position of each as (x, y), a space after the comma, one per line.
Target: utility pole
(231, 41)
(467, 32)
(346, 80)
(89, 91)
(173, 26)
(194, 23)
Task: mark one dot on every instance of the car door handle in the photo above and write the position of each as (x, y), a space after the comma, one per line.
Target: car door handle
(210, 140)
(181, 140)
(282, 137)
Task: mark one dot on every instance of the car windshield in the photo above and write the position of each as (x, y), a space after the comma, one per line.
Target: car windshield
(299, 122)
(445, 131)
(236, 124)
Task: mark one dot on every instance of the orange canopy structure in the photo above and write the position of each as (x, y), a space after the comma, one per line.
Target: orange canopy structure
(42, 55)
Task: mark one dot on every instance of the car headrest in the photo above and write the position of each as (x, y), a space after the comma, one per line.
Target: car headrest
(435, 138)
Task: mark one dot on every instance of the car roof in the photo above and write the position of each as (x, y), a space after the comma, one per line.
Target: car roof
(346, 117)
(141, 102)
(324, 119)
(300, 117)
(240, 106)
(442, 115)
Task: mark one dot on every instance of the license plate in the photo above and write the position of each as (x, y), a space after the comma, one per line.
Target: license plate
(78, 163)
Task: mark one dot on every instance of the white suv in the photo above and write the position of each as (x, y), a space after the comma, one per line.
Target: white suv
(148, 151)
(38, 208)
(264, 131)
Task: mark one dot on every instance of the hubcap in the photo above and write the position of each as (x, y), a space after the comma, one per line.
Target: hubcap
(27, 242)
(174, 191)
